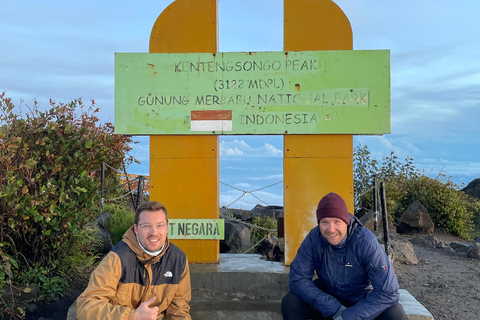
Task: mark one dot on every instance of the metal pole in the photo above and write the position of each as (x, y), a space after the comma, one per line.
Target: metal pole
(102, 180)
(375, 203)
(128, 184)
(384, 217)
(139, 191)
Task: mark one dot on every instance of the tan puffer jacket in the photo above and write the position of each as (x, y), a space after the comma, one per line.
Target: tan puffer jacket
(128, 276)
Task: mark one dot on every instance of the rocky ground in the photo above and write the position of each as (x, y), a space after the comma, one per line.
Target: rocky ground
(446, 283)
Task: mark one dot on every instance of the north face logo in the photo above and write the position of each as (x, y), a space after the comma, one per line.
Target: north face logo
(168, 274)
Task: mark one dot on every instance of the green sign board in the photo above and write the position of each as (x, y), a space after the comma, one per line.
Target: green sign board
(307, 92)
(196, 229)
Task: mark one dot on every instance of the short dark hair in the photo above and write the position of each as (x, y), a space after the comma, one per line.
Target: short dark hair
(149, 206)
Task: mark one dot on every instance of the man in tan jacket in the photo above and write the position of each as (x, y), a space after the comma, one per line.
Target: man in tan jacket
(144, 276)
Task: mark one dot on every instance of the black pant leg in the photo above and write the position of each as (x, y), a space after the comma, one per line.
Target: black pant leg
(395, 312)
(294, 308)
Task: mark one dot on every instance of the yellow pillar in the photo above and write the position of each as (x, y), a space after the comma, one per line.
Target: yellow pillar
(314, 165)
(184, 170)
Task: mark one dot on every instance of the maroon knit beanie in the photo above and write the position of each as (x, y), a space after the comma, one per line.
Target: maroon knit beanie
(333, 206)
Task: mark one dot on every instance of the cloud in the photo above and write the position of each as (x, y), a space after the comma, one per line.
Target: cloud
(272, 151)
(428, 158)
(243, 185)
(239, 147)
(275, 176)
(230, 151)
(233, 148)
(66, 51)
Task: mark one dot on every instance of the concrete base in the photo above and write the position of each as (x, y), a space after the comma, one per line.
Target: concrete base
(237, 310)
(245, 287)
(414, 309)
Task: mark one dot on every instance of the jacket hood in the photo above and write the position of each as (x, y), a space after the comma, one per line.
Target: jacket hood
(354, 225)
(130, 238)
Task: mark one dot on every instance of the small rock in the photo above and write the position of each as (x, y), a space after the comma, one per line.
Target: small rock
(449, 250)
(428, 241)
(31, 307)
(474, 251)
(403, 251)
(460, 247)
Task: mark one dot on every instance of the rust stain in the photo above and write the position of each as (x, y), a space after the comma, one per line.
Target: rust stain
(297, 86)
(151, 66)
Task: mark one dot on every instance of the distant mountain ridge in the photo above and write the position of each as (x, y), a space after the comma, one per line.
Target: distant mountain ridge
(473, 189)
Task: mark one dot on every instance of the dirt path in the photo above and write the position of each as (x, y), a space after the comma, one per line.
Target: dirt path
(447, 284)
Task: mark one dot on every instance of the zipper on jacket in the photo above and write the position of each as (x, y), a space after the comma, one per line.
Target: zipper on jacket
(145, 280)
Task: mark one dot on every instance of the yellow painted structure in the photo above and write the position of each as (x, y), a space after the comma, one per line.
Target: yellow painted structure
(314, 165)
(184, 170)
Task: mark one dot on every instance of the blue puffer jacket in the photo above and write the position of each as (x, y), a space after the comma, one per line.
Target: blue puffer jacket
(356, 274)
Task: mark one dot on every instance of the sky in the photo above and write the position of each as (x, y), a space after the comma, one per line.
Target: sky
(64, 50)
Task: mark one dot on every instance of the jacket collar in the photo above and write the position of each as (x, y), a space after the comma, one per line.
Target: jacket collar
(130, 238)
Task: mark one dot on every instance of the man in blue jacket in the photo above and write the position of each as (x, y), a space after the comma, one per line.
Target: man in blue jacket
(355, 277)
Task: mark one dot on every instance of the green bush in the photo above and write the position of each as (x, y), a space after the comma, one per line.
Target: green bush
(49, 285)
(473, 205)
(262, 227)
(391, 171)
(7, 264)
(450, 209)
(443, 203)
(50, 186)
(121, 219)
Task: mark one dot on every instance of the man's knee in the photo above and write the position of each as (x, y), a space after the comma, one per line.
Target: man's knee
(287, 301)
(290, 303)
(395, 312)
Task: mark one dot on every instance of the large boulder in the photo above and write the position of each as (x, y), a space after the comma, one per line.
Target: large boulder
(237, 237)
(415, 220)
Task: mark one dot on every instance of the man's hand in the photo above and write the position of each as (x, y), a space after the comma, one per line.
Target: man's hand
(144, 312)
